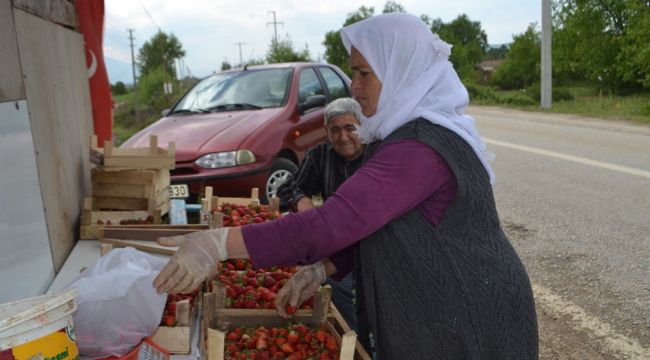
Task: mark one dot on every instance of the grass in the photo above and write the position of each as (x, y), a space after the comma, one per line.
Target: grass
(587, 101)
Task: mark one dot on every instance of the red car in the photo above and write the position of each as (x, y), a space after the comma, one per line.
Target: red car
(246, 128)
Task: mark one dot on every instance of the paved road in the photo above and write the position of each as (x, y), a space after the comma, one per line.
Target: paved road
(574, 196)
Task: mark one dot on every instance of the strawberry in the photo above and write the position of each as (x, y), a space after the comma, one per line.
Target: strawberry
(169, 320)
(268, 281)
(321, 335)
(287, 348)
(293, 337)
(261, 344)
(290, 310)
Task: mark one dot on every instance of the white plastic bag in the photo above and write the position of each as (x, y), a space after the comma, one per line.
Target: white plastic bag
(117, 304)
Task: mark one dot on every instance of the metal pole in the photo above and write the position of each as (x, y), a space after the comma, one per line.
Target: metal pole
(547, 81)
(275, 28)
(135, 84)
(241, 59)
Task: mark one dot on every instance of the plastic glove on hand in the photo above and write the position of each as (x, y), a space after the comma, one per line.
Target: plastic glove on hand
(195, 260)
(300, 287)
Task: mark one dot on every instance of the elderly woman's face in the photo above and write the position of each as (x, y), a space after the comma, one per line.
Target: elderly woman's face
(366, 87)
(341, 133)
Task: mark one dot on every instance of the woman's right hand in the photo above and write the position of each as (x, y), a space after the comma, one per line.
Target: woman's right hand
(195, 260)
(300, 287)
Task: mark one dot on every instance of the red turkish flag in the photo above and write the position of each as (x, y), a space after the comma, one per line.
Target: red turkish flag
(91, 25)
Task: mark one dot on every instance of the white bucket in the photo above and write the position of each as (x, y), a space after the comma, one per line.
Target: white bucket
(40, 326)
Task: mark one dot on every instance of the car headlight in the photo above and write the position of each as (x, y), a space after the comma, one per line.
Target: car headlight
(225, 159)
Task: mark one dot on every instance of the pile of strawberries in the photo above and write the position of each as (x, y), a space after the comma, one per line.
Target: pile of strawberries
(292, 342)
(238, 215)
(169, 314)
(255, 289)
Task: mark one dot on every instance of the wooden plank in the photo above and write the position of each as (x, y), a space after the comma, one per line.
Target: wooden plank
(89, 217)
(105, 249)
(143, 245)
(140, 162)
(11, 79)
(122, 203)
(176, 340)
(348, 343)
(183, 315)
(216, 344)
(56, 86)
(57, 11)
(130, 177)
(341, 326)
(124, 190)
(143, 234)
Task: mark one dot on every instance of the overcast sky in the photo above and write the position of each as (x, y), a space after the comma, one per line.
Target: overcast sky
(209, 29)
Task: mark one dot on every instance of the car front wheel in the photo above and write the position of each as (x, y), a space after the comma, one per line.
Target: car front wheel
(281, 171)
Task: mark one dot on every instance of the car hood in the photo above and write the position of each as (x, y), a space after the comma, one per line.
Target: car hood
(199, 134)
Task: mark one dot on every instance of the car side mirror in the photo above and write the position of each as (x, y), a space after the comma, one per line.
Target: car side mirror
(164, 112)
(313, 101)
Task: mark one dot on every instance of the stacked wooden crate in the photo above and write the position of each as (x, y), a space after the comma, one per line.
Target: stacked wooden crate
(128, 186)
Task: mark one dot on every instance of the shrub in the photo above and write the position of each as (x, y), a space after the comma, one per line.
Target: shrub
(557, 93)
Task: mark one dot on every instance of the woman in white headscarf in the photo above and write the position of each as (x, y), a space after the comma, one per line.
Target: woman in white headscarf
(436, 277)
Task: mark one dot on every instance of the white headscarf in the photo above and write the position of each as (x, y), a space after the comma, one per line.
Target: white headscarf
(417, 79)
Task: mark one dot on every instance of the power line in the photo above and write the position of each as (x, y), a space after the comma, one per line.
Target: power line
(149, 15)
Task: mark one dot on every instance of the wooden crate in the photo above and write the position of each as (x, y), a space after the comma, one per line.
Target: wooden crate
(218, 315)
(214, 202)
(222, 320)
(152, 157)
(129, 183)
(110, 203)
(177, 339)
(92, 222)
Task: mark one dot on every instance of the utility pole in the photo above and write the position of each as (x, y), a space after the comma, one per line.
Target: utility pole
(135, 85)
(241, 59)
(275, 28)
(547, 81)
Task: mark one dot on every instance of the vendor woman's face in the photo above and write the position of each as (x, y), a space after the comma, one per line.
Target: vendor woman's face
(366, 87)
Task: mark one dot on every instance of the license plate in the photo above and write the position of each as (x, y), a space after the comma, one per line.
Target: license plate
(178, 191)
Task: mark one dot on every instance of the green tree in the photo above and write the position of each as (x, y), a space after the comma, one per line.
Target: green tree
(469, 43)
(151, 89)
(225, 65)
(255, 61)
(634, 58)
(160, 47)
(335, 52)
(522, 65)
(393, 6)
(603, 41)
(283, 51)
(119, 88)
(496, 53)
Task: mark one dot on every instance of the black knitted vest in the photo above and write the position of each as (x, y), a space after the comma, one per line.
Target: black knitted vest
(455, 291)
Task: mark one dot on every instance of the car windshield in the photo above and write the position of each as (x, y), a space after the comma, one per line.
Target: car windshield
(242, 90)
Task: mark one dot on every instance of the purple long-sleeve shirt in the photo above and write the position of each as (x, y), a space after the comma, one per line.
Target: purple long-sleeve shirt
(402, 175)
